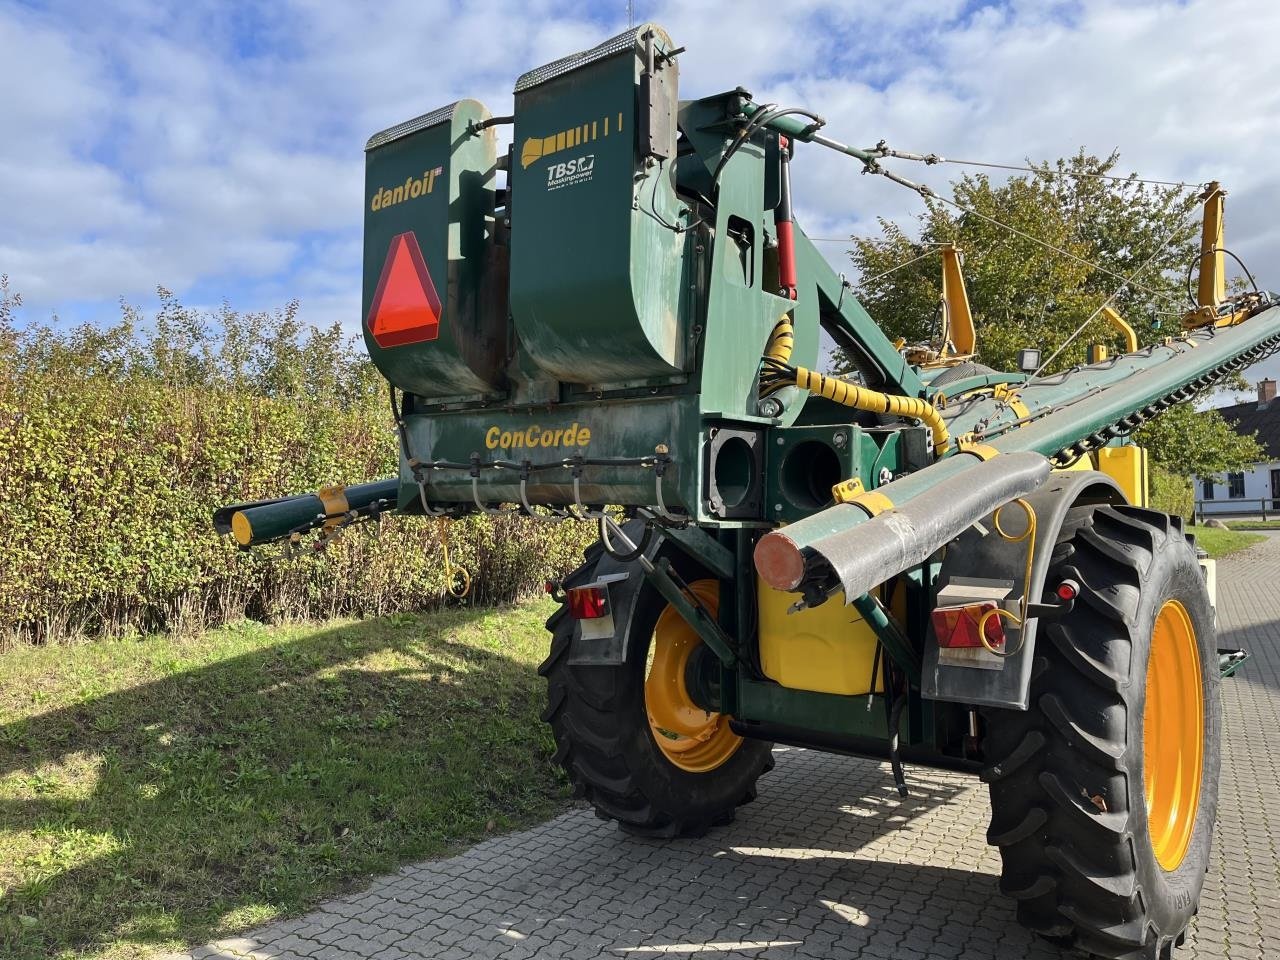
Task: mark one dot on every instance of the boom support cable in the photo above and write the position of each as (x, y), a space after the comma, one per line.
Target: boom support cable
(883, 150)
(1181, 226)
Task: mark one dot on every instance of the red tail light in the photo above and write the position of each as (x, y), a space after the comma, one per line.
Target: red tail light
(958, 626)
(588, 603)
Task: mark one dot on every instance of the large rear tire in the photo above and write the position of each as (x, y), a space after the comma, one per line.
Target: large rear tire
(635, 746)
(1104, 792)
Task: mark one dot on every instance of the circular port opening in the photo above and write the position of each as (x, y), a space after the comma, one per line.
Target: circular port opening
(735, 471)
(809, 470)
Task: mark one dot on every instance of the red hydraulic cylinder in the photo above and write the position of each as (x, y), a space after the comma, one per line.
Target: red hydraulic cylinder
(783, 221)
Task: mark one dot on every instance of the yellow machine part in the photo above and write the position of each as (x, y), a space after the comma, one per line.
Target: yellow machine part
(828, 648)
(1127, 466)
(1084, 463)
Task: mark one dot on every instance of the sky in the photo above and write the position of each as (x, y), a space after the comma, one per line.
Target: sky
(215, 148)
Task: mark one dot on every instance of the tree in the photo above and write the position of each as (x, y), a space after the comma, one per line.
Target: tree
(1023, 292)
(1198, 443)
(1102, 228)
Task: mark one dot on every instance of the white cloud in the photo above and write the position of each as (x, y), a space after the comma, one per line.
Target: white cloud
(204, 149)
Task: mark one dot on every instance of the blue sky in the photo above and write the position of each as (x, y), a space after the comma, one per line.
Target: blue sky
(216, 147)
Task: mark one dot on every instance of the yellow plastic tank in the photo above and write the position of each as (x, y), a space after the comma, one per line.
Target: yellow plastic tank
(828, 648)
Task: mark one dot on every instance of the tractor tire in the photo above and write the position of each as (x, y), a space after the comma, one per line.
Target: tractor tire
(606, 741)
(1104, 792)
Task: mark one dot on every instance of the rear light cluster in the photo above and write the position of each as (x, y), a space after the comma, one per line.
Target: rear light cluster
(958, 626)
(588, 603)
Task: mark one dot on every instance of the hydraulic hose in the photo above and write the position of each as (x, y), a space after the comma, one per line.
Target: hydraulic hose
(781, 340)
(779, 373)
(895, 757)
(860, 398)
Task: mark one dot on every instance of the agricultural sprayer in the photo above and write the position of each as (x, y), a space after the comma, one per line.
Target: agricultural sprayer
(627, 332)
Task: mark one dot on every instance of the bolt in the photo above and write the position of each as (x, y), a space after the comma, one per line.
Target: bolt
(885, 476)
(770, 407)
(840, 439)
(777, 507)
(781, 441)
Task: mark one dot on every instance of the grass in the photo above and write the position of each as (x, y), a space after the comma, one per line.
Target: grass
(1253, 524)
(160, 792)
(1223, 543)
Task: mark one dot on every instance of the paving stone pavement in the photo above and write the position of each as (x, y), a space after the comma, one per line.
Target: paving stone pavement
(827, 864)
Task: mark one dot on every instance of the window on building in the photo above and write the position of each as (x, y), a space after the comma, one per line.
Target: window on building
(1206, 489)
(1235, 485)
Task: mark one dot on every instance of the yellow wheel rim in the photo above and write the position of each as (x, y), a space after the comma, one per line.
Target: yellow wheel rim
(1172, 734)
(690, 737)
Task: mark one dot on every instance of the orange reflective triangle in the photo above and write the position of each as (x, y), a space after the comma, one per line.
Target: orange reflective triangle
(405, 308)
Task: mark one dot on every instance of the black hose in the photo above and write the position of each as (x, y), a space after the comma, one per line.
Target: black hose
(895, 759)
(758, 119)
(397, 413)
(1201, 255)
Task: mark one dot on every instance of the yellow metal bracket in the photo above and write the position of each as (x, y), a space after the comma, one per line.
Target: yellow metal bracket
(1009, 395)
(983, 451)
(1126, 331)
(959, 341)
(957, 318)
(334, 500)
(873, 502)
(846, 491)
(1212, 289)
(852, 491)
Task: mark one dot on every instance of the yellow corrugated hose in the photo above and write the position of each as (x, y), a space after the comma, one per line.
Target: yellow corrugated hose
(777, 355)
(860, 398)
(781, 340)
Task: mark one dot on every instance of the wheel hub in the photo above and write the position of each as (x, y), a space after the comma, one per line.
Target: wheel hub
(1172, 735)
(690, 736)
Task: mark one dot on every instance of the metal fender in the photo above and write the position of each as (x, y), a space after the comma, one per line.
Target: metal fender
(980, 553)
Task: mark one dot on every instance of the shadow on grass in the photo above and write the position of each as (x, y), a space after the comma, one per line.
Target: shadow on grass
(225, 794)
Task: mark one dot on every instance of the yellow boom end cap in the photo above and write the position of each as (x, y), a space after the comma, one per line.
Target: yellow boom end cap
(241, 528)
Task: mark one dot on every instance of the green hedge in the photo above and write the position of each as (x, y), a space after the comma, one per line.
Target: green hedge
(117, 444)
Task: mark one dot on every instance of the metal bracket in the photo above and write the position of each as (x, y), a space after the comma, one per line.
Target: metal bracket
(704, 548)
(890, 635)
(703, 624)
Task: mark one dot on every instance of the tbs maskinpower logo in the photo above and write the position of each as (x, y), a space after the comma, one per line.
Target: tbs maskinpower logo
(569, 172)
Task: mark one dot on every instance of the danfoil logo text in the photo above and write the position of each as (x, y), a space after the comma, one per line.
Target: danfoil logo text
(570, 172)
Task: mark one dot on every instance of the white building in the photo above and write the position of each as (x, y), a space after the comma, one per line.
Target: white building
(1257, 490)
